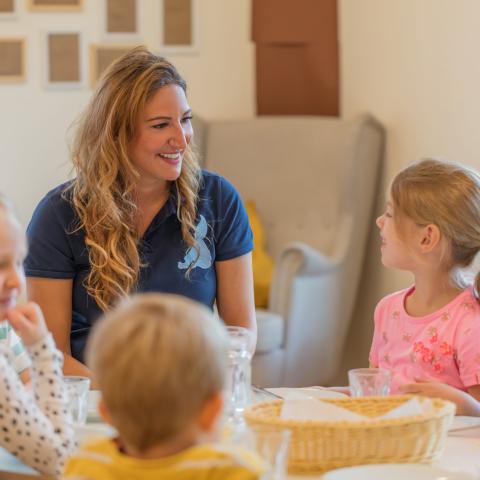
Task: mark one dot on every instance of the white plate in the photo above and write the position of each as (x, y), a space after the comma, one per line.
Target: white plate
(307, 392)
(392, 471)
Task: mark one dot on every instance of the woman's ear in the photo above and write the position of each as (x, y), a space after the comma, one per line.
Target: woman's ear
(210, 412)
(430, 238)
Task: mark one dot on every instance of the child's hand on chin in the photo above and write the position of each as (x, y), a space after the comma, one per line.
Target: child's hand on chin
(28, 322)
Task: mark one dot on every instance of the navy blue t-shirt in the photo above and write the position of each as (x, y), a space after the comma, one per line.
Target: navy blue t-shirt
(223, 232)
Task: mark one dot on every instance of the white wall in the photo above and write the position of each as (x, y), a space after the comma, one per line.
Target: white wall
(34, 121)
(414, 65)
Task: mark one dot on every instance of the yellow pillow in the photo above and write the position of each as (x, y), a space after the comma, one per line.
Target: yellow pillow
(262, 261)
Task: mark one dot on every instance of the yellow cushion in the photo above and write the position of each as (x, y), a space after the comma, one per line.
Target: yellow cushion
(262, 261)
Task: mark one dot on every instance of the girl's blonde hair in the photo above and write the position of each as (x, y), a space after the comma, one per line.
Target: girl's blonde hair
(103, 191)
(157, 359)
(448, 196)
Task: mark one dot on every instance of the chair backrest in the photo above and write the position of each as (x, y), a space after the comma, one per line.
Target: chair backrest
(300, 172)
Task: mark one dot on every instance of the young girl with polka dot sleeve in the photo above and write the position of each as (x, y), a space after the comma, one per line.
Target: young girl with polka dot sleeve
(428, 334)
(34, 425)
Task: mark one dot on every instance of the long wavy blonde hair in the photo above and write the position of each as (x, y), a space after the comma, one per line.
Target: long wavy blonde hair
(102, 192)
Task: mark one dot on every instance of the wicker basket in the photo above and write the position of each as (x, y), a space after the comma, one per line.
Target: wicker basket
(317, 446)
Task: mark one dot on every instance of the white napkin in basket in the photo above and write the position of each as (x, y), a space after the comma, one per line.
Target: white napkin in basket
(299, 408)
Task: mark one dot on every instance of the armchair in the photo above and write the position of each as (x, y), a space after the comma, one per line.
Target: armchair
(314, 181)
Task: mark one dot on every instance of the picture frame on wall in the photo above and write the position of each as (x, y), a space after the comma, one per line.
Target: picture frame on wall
(64, 60)
(13, 67)
(179, 26)
(8, 9)
(102, 55)
(121, 20)
(55, 5)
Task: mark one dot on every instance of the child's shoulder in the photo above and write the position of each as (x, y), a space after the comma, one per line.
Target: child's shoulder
(228, 456)
(394, 299)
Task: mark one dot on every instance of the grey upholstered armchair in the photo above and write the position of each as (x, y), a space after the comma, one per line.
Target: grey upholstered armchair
(314, 182)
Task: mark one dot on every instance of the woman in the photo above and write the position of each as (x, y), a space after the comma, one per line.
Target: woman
(140, 215)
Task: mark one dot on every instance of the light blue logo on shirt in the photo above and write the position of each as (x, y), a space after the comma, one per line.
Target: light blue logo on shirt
(205, 258)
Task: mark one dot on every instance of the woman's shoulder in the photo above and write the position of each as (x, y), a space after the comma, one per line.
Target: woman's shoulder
(56, 206)
(212, 182)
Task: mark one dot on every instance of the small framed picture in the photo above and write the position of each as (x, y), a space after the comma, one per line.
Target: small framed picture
(13, 65)
(121, 20)
(64, 60)
(101, 56)
(179, 26)
(55, 5)
(8, 9)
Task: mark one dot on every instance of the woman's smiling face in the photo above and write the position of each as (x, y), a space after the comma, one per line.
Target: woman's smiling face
(162, 134)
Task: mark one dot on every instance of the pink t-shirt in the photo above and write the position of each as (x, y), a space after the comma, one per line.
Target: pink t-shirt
(443, 346)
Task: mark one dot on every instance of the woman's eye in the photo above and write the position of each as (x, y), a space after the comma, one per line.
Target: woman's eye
(160, 125)
(388, 214)
(186, 119)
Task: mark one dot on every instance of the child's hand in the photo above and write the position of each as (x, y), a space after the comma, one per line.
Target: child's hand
(28, 322)
(466, 404)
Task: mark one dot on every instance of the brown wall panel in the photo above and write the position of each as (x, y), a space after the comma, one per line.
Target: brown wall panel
(297, 57)
(294, 21)
(297, 80)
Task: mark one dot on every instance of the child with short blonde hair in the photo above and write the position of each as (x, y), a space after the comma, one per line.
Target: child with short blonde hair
(40, 432)
(160, 362)
(427, 334)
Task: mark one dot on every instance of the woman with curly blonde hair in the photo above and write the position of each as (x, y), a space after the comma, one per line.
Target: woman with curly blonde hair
(140, 214)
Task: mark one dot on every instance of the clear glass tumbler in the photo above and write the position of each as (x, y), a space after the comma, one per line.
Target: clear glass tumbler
(77, 389)
(271, 444)
(368, 382)
(238, 388)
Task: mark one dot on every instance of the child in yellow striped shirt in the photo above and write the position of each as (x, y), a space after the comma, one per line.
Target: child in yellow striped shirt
(160, 362)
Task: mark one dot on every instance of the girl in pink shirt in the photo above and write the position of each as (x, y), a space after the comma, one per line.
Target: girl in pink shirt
(428, 335)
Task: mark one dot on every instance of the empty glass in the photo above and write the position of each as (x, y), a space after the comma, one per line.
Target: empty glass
(238, 389)
(271, 445)
(77, 389)
(368, 382)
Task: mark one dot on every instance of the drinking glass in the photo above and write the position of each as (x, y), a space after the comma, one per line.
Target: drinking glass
(271, 445)
(368, 382)
(238, 388)
(77, 389)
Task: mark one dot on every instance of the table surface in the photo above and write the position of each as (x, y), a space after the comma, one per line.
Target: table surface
(462, 453)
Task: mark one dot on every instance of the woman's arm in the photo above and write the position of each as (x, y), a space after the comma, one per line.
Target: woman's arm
(55, 299)
(235, 292)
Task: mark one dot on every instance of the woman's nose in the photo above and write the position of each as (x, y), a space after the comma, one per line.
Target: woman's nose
(179, 138)
(379, 221)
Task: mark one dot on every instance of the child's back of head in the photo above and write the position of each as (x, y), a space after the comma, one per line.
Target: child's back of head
(447, 195)
(157, 360)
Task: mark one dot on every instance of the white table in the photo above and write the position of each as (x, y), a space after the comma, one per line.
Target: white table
(462, 452)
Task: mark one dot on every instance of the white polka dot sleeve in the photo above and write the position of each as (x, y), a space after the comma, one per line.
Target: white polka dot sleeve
(37, 430)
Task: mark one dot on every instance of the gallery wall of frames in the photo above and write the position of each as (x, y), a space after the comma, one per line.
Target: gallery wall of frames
(69, 60)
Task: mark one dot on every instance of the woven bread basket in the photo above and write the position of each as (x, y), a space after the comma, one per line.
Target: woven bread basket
(318, 446)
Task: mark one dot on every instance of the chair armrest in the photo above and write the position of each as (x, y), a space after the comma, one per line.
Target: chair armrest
(300, 259)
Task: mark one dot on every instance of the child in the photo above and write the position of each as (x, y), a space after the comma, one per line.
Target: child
(160, 362)
(40, 434)
(428, 334)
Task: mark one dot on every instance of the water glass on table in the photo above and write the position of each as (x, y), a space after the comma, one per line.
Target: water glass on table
(238, 389)
(368, 382)
(271, 444)
(77, 390)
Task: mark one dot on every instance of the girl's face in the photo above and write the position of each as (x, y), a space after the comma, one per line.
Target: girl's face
(162, 135)
(13, 249)
(397, 250)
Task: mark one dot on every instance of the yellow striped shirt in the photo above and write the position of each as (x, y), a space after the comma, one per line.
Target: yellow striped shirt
(102, 460)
